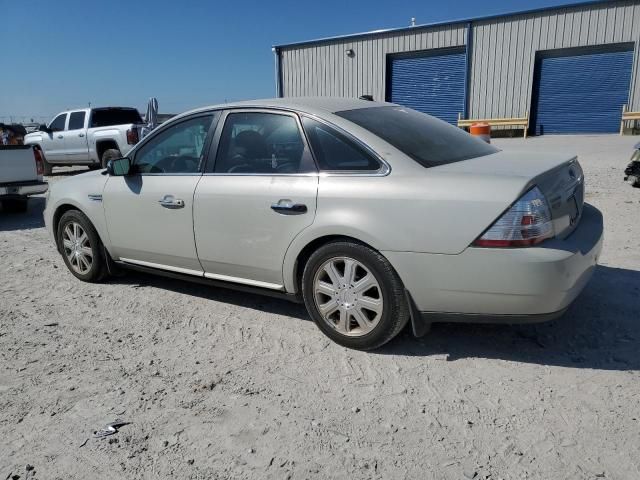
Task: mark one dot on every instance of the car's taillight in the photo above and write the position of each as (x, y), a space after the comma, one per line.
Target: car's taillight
(528, 222)
(132, 136)
(37, 155)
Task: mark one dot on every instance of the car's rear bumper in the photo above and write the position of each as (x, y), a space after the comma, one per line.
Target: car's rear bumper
(22, 189)
(503, 285)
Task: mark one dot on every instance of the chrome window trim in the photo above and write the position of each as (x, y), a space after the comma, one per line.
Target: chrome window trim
(219, 125)
(310, 174)
(383, 171)
(156, 174)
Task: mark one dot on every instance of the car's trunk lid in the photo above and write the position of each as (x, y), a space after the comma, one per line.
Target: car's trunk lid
(559, 177)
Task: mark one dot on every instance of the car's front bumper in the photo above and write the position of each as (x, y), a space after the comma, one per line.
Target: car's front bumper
(503, 285)
(22, 189)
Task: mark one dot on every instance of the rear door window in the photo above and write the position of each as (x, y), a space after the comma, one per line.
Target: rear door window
(106, 117)
(334, 151)
(262, 143)
(76, 120)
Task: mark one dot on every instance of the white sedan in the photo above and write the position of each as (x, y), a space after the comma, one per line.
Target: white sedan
(372, 214)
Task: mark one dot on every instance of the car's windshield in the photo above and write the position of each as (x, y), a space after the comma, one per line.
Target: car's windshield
(429, 141)
(105, 117)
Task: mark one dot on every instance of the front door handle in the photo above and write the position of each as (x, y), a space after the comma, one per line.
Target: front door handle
(81, 135)
(60, 136)
(287, 207)
(169, 201)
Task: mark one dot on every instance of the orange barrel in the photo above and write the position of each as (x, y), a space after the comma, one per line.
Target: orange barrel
(482, 131)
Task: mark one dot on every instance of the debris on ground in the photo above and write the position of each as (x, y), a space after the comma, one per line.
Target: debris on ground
(110, 429)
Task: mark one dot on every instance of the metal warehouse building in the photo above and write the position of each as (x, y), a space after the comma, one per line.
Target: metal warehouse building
(569, 69)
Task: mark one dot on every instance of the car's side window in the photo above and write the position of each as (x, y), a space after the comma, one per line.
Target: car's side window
(334, 151)
(58, 123)
(262, 143)
(76, 120)
(178, 149)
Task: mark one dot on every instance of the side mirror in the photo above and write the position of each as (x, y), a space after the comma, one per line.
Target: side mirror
(44, 128)
(119, 167)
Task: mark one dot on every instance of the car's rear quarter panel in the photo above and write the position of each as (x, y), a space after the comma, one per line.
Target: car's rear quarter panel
(422, 212)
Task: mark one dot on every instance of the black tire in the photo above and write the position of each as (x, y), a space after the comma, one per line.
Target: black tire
(395, 310)
(15, 205)
(98, 269)
(110, 154)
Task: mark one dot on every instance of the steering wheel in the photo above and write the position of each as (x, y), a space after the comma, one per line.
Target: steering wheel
(240, 164)
(178, 164)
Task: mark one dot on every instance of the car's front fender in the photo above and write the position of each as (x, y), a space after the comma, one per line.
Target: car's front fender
(82, 192)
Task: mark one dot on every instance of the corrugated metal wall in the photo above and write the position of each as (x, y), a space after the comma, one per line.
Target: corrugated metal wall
(325, 69)
(503, 56)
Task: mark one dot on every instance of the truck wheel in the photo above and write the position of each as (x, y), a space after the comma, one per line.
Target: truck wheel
(15, 205)
(110, 154)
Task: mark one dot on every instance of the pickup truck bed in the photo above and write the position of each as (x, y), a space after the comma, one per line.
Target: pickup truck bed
(20, 176)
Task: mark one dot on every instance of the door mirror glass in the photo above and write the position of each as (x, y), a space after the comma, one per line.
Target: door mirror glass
(119, 167)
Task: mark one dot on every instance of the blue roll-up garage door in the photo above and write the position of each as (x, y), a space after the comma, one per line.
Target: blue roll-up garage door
(433, 84)
(582, 93)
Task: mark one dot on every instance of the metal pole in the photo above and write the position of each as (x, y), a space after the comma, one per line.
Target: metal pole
(468, 65)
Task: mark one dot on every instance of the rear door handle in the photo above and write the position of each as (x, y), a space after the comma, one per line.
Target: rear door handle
(287, 207)
(169, 201)
(81, 135)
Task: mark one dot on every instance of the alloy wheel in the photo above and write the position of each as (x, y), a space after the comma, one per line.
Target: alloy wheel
(77, 247)
(348, 296)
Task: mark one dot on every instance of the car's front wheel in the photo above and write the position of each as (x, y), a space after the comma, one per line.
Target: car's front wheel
(354, 295)
(81, 247)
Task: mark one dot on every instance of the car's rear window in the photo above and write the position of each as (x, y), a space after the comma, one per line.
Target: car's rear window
(105, 117)
(429, 141)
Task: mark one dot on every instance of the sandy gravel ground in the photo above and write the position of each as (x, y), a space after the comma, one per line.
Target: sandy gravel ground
(217, 384)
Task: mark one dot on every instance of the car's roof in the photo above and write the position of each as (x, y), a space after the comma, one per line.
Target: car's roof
(313, 105)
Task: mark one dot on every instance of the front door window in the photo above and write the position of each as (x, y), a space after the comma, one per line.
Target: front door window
(178, 149)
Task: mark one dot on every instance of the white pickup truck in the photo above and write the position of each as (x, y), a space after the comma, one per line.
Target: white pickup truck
(21, 169)
(89, 136)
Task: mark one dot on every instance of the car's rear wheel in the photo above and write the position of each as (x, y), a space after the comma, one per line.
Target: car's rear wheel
(81, 247)
(354, 295)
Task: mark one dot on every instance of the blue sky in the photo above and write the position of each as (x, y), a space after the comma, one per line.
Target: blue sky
(187, 53)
